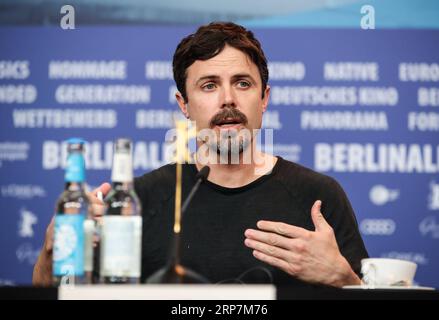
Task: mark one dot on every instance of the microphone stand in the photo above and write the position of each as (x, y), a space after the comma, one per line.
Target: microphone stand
(173, 271)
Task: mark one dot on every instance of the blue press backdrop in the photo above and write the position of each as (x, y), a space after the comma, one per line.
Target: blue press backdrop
(375, 131)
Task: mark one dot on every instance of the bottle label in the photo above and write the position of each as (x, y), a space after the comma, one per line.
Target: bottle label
(75, 170)
(121, 246)
(122, 168)
(68, 246)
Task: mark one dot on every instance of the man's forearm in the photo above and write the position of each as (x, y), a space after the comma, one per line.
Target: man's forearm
(42, 274)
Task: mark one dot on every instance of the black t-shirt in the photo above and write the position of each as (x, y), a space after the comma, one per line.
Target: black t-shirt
(214, 223)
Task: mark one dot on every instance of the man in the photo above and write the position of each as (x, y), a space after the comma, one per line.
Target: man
(259, 220)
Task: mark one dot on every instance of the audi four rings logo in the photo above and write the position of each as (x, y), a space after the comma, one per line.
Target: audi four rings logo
(382, 227)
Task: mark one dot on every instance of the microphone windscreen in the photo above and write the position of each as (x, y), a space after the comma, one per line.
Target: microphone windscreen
(203, 173)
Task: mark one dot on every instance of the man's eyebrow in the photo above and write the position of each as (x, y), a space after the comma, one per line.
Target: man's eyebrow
(235, 77)
(208, 77)
(243, 75)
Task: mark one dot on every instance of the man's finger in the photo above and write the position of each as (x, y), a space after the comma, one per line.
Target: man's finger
(270, 238)
(282, 229)
(275, 262)
(98, 209)
(104, 188)
(273, 251)
(317, 217)
(97, 195)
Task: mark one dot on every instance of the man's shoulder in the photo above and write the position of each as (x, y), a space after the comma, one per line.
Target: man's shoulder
(162, 176)
(305, 183)
(294, 174)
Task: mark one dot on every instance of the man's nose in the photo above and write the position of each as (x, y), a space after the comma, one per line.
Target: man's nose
(228, 97)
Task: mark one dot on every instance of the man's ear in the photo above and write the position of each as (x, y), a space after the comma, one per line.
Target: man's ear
(266, 98)
(182, 104)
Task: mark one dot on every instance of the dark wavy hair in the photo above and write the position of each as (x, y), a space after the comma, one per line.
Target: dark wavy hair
(210, 40)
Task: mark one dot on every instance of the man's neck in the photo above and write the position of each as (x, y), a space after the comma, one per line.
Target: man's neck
(240, 174)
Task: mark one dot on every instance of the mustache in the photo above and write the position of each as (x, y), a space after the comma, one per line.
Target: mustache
(228, 113)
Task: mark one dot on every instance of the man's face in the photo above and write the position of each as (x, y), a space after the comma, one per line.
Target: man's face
(225, 93)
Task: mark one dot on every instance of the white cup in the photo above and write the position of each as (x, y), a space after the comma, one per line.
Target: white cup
(387, 272)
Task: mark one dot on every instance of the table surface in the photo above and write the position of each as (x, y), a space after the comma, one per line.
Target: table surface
(211, 292)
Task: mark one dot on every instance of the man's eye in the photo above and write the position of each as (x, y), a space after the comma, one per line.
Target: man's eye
(243, 84)
(209, 86)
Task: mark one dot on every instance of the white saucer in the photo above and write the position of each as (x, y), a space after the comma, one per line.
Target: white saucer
(388, 287)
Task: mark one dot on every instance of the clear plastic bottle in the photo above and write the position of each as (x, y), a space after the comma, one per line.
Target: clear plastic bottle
(121, 226)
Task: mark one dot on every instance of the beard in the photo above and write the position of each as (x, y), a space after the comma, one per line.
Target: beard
(225, 145)
(227, 138)
(231, 142)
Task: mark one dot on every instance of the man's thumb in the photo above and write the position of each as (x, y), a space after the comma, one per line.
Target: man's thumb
(317, 217)
(104, 188)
